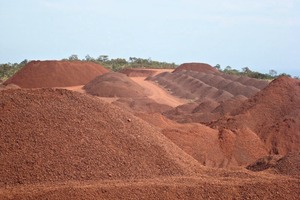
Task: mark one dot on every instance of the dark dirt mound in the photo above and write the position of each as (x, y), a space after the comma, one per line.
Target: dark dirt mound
(49, 135)
(114, 84)
(9, 86)
(198, 67)
(273, 114)
(42, 74)
(142, 104)
(264, 163)
(198, 112)
(228, 106)
(136, 72)
(213, 94)
(287, 165)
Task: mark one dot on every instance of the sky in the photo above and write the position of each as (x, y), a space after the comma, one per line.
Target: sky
(259, 34)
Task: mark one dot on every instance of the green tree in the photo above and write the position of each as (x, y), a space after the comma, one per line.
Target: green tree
(218, 67)
(272, 73)
(73, 57)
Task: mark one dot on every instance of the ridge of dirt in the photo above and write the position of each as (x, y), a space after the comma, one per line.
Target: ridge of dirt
(223, 92)
(46, 74)
(114, 84)
(49, 135)
(198, 67)
(272, 114)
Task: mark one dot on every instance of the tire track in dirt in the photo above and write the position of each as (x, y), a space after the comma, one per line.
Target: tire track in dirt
(158, 94)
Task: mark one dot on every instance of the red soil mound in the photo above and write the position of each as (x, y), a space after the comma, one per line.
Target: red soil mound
(42, 74)
(198, 67)
(215, 95)
(138, 72)
(211, 147)
(273, 114)
(228, 106)
(114, 84)
(51, 135)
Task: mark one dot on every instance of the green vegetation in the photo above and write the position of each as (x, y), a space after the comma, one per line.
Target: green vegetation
(246, 71)
(133, 62)
(116, 64)
(9, 69)
(121, 63)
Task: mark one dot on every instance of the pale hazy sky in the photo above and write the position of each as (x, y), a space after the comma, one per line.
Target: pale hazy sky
(259, 34)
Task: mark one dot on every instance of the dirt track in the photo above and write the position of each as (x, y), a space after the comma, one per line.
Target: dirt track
(166, 188)
(158, 94)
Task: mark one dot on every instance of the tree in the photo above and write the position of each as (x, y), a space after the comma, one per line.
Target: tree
(272, 73)
(102, 58)
(218, 67)
(228, 68)
(73, 57)
(89, 58)
(246, 70)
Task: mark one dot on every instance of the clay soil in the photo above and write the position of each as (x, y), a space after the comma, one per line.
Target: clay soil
(38, 74)
(70, 144)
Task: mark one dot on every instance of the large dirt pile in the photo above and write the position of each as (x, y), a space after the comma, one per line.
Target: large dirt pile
(215, 94)
(114, 84)
(44, 74)
(213, 148)
(49, 135)
(198, 67)
(273, 114)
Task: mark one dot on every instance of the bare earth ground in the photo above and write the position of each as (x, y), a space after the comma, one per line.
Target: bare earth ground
(209, 183)
(158, 94)
(154, 92)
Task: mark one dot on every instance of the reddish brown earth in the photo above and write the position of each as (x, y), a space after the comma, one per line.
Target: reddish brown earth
(198, 67)
(212, 95)
(44, 74)
(58, 144)
(76, 138)
(272, 114)
(114, 84)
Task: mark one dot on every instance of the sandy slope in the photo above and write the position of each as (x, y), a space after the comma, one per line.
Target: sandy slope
(158, 94)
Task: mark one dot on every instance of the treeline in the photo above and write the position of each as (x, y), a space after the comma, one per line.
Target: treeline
(117, 64)
(9, 69)
(246, 71)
